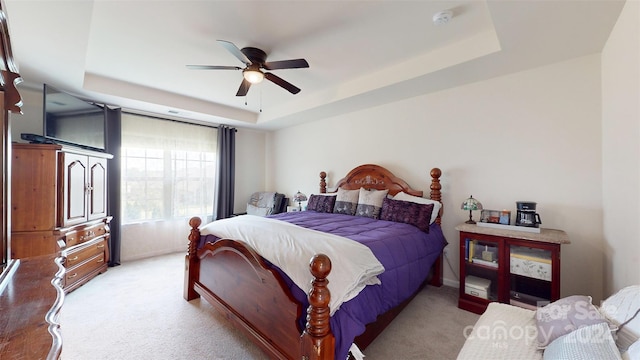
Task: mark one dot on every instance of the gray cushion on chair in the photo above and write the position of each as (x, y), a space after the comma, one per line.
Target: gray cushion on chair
(261, 203)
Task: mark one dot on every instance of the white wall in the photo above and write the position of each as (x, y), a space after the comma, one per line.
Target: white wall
(250, 166)
(621, 150)
(532, 136)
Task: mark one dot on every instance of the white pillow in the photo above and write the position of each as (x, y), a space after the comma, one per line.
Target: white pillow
(402, 196)
(622, 308)
(589, 342)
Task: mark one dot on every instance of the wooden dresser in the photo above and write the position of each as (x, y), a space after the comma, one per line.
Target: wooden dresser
(59, 205)
(30, 303)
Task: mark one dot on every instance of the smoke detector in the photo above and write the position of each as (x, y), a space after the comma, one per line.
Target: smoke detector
(442, 17)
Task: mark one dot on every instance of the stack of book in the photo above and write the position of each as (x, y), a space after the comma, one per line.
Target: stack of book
(480, 254)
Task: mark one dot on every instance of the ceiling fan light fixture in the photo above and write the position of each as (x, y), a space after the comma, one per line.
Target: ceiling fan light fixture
(253, 76)
(255, 60)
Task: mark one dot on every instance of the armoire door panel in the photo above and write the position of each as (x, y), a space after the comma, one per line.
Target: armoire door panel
(75, 169)
(97, 188)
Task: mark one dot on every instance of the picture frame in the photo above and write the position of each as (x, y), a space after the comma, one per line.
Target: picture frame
(502, 217)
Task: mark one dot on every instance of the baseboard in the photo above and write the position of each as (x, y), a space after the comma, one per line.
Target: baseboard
(451, 283)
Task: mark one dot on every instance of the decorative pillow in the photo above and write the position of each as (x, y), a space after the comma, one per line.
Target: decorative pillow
(623, 310)
(370, 202)
(588, 342)
(346, 201)
(564, 316)
(420, 200)
(407, 212)
(321, 203)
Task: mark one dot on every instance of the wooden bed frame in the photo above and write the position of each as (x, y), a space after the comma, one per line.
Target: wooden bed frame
(240, 284)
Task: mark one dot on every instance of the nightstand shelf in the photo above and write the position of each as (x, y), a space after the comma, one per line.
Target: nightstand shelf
(508, 266)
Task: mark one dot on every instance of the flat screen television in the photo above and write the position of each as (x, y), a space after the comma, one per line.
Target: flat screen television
(71, 120)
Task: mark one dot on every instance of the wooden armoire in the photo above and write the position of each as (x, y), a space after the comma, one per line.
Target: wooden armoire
(59, 205)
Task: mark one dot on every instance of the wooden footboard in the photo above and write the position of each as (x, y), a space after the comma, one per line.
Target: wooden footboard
(242, 286)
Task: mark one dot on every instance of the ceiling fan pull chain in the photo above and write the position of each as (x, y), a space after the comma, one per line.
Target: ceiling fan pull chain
(260, 99)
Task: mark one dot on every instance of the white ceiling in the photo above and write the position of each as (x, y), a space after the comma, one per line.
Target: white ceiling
(361, 53)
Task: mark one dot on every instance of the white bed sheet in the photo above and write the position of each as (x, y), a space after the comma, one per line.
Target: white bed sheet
(285, 244)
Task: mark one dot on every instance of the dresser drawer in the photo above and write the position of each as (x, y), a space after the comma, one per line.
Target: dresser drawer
(85, 234)
(78, 272)
(71, 239)
(91, 232)
(85, 251)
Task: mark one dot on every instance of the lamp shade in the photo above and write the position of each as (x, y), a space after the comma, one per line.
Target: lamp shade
(298, 197)
(471, 204)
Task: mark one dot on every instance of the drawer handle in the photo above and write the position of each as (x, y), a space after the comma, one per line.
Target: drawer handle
(74, 258)
(72, 276)
(89, 235)
(100, 261)
(101, 246)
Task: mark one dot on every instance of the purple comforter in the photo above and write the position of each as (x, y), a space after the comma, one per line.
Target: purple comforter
(406, 253)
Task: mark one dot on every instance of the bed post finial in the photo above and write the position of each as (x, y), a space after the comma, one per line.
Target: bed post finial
(317, 340)
(435, 184)
(323, 182)
(191, 260)
(435, 189)
(194, 235)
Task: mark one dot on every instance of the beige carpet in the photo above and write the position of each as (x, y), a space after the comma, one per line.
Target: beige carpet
(136, 311)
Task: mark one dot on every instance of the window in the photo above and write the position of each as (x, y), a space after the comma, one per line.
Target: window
(168, 169)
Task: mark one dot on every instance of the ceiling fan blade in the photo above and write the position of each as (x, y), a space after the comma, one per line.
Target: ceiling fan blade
(286, 64)
(233, 49)
(244, 88)
(282, 83)
(213, 67)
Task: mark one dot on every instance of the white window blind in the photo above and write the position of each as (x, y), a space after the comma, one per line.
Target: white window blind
(168, 169)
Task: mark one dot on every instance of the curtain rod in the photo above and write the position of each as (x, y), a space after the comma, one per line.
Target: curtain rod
(178, 121)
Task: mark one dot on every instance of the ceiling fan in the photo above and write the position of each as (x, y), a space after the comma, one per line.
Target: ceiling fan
(255, 60)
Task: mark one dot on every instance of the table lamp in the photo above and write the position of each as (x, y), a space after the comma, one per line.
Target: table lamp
(299, 197)
(471, 204)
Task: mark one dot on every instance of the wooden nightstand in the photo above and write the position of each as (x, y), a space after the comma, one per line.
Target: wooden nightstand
(508, 266)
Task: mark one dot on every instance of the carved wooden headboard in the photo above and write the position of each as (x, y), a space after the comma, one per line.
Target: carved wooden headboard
(372, 176)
